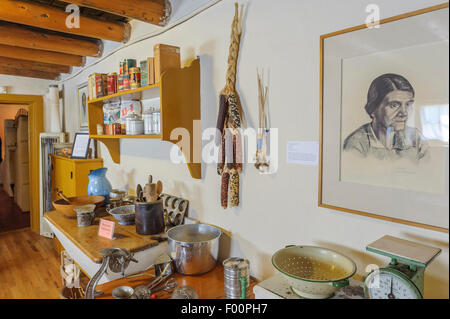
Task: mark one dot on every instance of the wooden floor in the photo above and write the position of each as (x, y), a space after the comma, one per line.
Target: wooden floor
(11, 217)
(29, 266)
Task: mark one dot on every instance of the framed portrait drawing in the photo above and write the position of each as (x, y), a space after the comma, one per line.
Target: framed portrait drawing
(384, 116)
(82, 93)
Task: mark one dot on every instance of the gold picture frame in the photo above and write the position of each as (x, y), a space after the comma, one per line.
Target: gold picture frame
(321, 201)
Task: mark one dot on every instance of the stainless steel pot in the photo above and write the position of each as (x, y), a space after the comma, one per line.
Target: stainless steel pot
(194, 248)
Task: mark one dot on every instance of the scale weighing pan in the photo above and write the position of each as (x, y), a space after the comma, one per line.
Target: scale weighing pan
(404, 250)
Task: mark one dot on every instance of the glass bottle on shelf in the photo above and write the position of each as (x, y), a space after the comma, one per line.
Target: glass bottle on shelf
(156, 121)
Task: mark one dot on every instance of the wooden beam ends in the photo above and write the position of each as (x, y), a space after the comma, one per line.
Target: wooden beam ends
(51, 18)
(36, 66)
(151, 11)
(28, 73)
(41, 56)
(19, 36)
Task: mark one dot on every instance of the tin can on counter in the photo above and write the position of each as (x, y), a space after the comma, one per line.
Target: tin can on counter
(236, 278)
(135, 78)
(112, 83)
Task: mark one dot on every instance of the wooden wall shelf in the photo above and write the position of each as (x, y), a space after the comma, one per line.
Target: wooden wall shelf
(179, 93)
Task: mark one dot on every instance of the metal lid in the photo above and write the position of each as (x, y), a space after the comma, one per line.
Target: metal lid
(236, 263)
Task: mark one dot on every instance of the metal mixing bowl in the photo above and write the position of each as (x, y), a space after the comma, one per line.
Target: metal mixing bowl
(194, 248)
(125, 215)
(313, 272)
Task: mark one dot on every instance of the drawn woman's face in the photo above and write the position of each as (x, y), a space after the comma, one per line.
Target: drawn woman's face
(393, 111)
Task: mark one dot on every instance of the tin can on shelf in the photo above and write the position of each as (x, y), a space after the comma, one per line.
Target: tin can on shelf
(100, 130)
(117, 129)
(135, 78)
(126, 82)
(128, 64)
(112, 83)
(122, 67)
(109, 129)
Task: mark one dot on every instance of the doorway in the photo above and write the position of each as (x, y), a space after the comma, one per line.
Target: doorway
(34, 106)
(14, 167)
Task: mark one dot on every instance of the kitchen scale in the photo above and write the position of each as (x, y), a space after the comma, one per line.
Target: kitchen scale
(403, 277)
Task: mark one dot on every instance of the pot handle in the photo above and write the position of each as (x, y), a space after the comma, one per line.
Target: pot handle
(340, 284)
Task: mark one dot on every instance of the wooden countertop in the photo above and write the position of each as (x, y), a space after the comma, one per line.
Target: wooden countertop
(87, 240)
(207, 286)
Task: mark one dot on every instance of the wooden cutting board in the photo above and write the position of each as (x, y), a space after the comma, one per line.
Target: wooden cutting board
(88, 241)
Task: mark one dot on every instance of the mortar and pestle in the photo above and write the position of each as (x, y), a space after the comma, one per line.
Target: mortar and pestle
(149, 215)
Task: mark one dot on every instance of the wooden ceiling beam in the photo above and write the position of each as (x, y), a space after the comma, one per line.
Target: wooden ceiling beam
(51, 18)
(20, 36)
(151, 11)
(41, 56)
(32, 65)
(28, 73)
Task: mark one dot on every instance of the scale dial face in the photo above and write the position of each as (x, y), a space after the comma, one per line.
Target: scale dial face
(388, 283)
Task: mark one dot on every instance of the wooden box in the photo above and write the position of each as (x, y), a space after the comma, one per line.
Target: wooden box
(166, 57)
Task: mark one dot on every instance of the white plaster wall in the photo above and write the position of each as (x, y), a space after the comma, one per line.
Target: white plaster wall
(278, 210)
(29, 86)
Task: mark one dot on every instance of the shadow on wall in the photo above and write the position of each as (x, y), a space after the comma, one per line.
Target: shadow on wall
(237, 246)
(435, 286)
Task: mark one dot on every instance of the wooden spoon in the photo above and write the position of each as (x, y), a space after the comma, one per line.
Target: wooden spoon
(159, 188)
(60, 194)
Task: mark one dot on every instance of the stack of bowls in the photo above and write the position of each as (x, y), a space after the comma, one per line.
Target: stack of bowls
(236, 274)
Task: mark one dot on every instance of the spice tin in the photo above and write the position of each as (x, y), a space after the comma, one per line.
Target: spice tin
(112, 83)
(135, 78)
(117, 129)
(109, 129)
(128, 64)
(126, 82)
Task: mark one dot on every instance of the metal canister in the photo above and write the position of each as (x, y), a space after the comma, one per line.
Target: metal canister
(237, 278)
(112, 83)
(135, 78)
(134, 125)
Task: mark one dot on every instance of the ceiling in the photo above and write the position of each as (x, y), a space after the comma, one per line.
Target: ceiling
(36, 41)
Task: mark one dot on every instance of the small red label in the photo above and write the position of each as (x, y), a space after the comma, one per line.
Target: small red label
(106, 228)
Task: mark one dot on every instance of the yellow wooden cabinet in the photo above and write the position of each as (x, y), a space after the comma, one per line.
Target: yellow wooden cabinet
(71, 175)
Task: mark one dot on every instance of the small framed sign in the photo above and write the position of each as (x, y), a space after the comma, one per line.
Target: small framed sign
(80, 148)
(106, 228)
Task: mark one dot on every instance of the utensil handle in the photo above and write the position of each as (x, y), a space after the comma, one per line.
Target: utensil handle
(60, 194)
(340, 284)
(243, 281)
